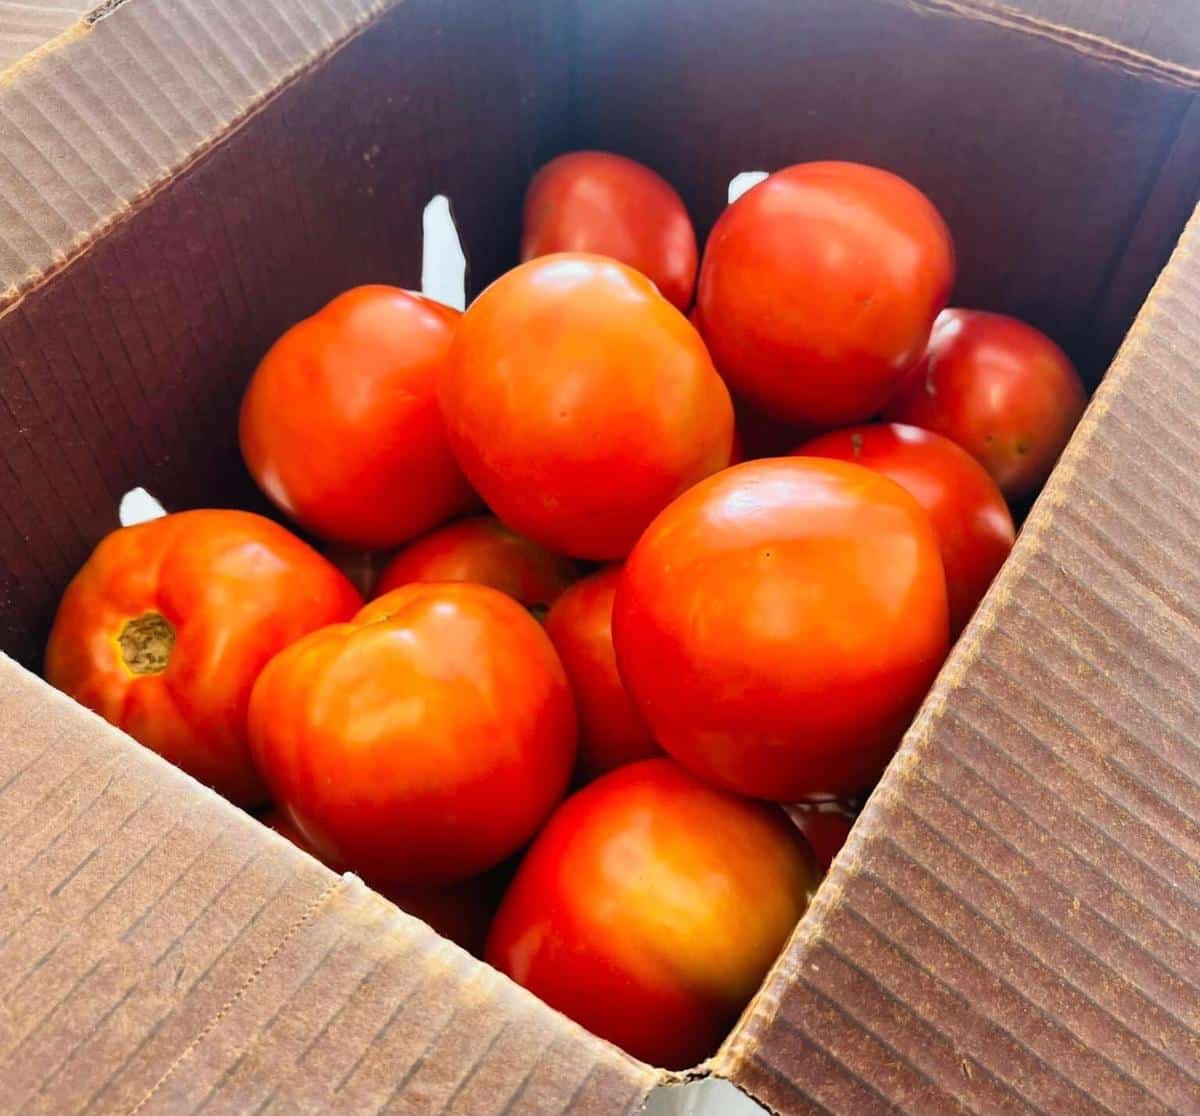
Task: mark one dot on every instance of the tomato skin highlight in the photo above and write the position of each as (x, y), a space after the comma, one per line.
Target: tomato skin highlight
(612, 732)
(340, 424)
(197, 601)
(630, 911)
(422, 742)
(579, 402)
(592, 201)
(484, 551)
(972, 522)
(818, 288)
(999, 388)
(778, 625)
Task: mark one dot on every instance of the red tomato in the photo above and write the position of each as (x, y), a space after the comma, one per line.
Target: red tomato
(999, 388)
(422, 742)
(825, 827)
(612, 731)
(591, 201)
(970, 518)
(461, 912)
(818, 289)
(580, 403)
(650, 909)
(340, 424)
(778, 625)
(486, 552)
(168, 623)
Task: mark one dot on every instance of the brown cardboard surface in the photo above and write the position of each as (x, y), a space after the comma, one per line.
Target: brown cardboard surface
(128, 369)
(28, 26)
(1064, 176)
(163, 952)
(1015, 923)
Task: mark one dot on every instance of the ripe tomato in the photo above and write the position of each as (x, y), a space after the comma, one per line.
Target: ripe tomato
(999, 388)
(612, 731)
(422, 742)
(650, 909)
(970, 518)
(591, 201)
(168, 623)
(825, 827)
(778, 625)
(486, 552)
(818, 289)
(461, 912)
(580, 403)
(340, 425)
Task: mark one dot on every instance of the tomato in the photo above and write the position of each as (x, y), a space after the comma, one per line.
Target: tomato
(580, 402)
(486, 552)
(612, 731)
(461, 912)
(999, 388)
(650, 909)
(970, 518)
(825, 827)
(422, 742)
(166, 626)
(818, 289)
(778, 625)
(340, 424)
(591, 201)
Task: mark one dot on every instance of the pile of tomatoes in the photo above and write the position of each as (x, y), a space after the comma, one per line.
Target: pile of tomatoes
(606, 636)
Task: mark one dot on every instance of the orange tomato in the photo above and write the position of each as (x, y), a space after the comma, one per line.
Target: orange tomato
(422, 742)
(165, 628)
(486, 552)
(778, 625)
(591, 201)
(818, 289)
(612, 732)
(650, 909)
(340, 424)
(580, 402)
(970, 518)
(999, 388)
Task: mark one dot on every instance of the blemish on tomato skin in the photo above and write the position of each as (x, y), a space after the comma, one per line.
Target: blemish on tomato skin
(856, 444)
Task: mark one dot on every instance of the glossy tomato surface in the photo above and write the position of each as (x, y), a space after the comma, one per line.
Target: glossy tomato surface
(999, 388)
(592, 201)
(818, 289)
(972, 522)
(483, 550)
(778, 625)
(461, 912)
(611, 730)
(422, 742)
(650, 909)
(580, 403)
(165, 628)
(340, 425)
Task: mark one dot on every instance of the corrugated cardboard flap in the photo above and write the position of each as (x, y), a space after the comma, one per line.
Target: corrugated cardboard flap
(161, 951)
(1013, 923)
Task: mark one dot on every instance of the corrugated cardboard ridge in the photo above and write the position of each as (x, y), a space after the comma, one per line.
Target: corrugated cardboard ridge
(161, 952)
(118, 106)
(1076, 36)
(1013, 924)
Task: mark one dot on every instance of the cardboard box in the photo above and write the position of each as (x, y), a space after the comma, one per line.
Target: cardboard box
(1014, 923)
